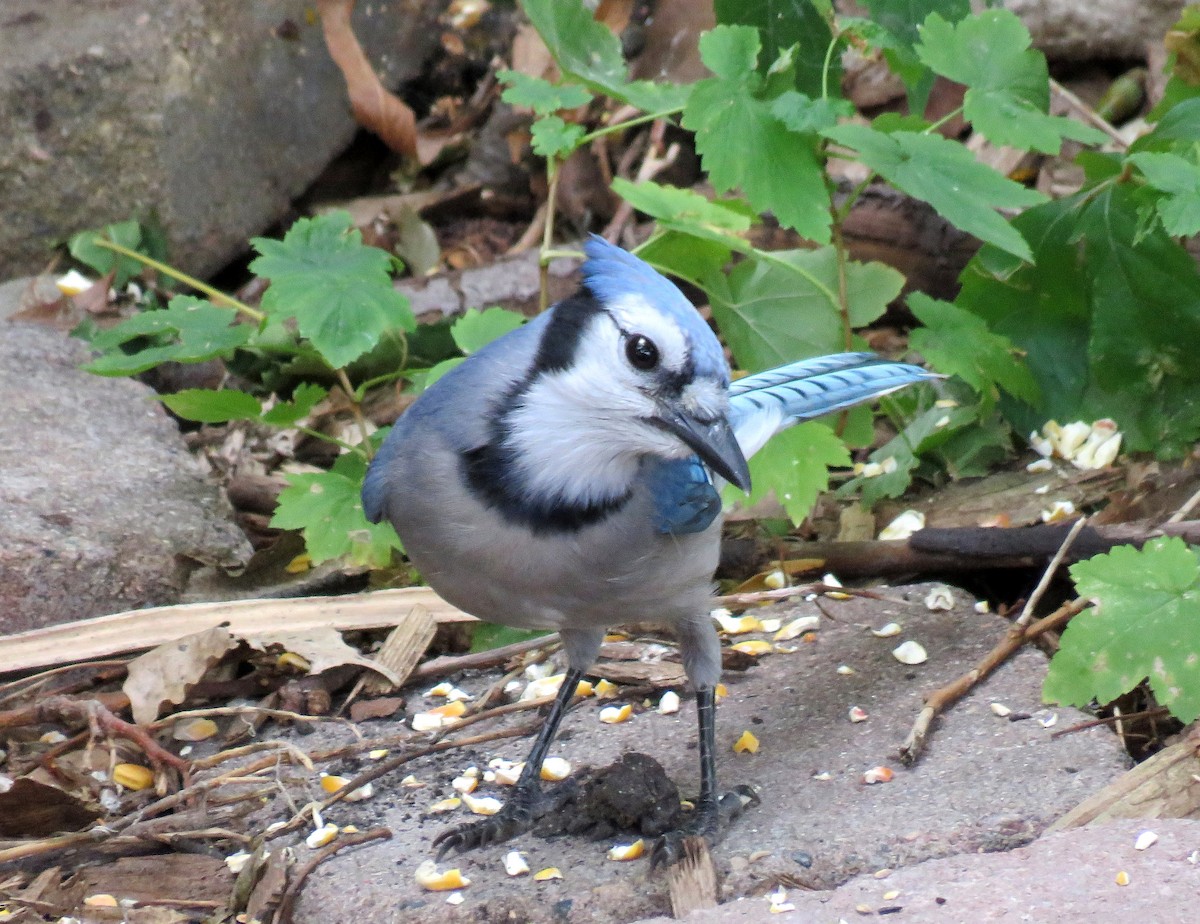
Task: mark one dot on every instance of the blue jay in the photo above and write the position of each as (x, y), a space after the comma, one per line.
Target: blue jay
(566, 477)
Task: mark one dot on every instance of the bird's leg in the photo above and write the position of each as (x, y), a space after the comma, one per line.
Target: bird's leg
(528, 802)
(713, 813)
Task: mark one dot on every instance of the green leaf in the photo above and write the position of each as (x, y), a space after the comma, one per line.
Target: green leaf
(742, 144)
(723, 222)
(1008, 84)
(588, 52)
(1170, 173)
(208, 406)
(899, 21)
(476, 329)
(1178, 127)
(338, 289)
(1108, 327)
(540, 95)
(83, 247)
(552, 137)
(304, 399)
(802, 113)
(779, 310)
(200, 331)
(947, 176)
(794, 466)
(788, 24)
(327, 508)
(1143, 626)
(956, 342)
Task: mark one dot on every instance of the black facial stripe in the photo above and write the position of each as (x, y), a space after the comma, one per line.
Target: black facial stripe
(491, 473)
(560, 341)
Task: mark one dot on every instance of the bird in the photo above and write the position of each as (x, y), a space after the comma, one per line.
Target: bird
(567, 477)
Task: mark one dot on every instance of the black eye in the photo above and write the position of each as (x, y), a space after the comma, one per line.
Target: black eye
(641, 352)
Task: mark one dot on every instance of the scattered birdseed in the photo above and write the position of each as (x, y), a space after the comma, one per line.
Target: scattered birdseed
(940, 597)
(378, 753)
(605, 689)
(910, 652)
(444, 805)
(624, 852)
(429, 877)
(1122, 878)
(982, 606)
(514, 863)
(1000, 709)
(858, 714)
(550, 872)
(1037, 466)
(614, 715)
(133, 776)
(331, 783)
(846, 670)
(194, 730)
(465, 784)
(755, 647)
(823, 776)
(746, 744)
(1144, 839)
(831, 581)
(668, 703)
(1060, 510)
(484, 805)
(322, 835)
(736, 625)
(775, 580)
(236, 862)
(891, 629)
(796, 628)
(555, 769)
(878, 775)
(411, 782)
(455, 898)
(903, 526)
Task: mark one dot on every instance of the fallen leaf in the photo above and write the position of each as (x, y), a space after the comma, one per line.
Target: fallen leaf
(323, 648)
(375, 108)
(162, 676)
(32, 809)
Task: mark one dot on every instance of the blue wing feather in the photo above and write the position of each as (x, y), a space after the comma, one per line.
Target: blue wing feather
(763, 404)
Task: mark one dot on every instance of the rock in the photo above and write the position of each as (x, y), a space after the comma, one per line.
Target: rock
(103, 507)
(212, 114)
(1069, 877)
(986, 783)
(1069, 30)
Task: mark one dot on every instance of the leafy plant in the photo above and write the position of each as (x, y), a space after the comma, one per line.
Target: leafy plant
(1141, 626)
(330, 304)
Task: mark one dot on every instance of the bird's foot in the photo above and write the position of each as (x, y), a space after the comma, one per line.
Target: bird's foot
(710, 821)
(527, 805)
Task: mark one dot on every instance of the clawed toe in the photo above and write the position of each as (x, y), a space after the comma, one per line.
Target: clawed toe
(710, 822)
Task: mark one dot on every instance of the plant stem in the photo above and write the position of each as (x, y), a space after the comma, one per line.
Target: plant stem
(548, 232)
(628, 123)
(356, 410)
(215, 294)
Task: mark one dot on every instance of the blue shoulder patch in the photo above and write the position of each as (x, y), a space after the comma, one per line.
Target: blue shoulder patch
(685, 500)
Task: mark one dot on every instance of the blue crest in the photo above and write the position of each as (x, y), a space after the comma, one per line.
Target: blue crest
(612, 273)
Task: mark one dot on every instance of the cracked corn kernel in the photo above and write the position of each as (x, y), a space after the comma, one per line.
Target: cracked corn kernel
(746, 744)
(429, 877)
(444, 805)
(910, 652)
(133, 776)
(555, 769)
(878, 775)
(1122, 878)
(614, 715)
(755, 647)
(550, 872)
(624, 852)
(322, 836)
(668, 703)
(797, 627)
(484, 805)
(605, 689)
(514, 863)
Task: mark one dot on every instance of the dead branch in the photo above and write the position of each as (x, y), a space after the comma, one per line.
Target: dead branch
(288, 902)
(941, 699)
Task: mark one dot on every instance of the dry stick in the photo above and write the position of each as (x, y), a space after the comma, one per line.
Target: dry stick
(1188, 506)
(288, 901)
(941, 699)
(1115, 719)
(1016, 636)
(1047, 576)
(450, 664)
(783, 593)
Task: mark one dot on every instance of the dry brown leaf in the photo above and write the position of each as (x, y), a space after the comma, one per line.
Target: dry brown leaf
(163, 675)
(375, 108)
(530, 55)
(32, 809)
(322, 647)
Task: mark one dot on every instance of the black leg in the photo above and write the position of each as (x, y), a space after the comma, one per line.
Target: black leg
(528, 802)
(712, 814)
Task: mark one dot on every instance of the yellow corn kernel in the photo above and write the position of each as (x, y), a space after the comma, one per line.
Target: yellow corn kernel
(746, 744)
(133, 776)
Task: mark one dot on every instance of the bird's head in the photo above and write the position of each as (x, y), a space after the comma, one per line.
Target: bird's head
(628, 368)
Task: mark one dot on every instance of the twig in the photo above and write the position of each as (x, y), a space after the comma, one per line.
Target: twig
(1088, 113)
(783, 593)
(287, 901)
(1188, 506)
(1048, 575)
(1115, 719)
(941, 699)
(451, 664)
